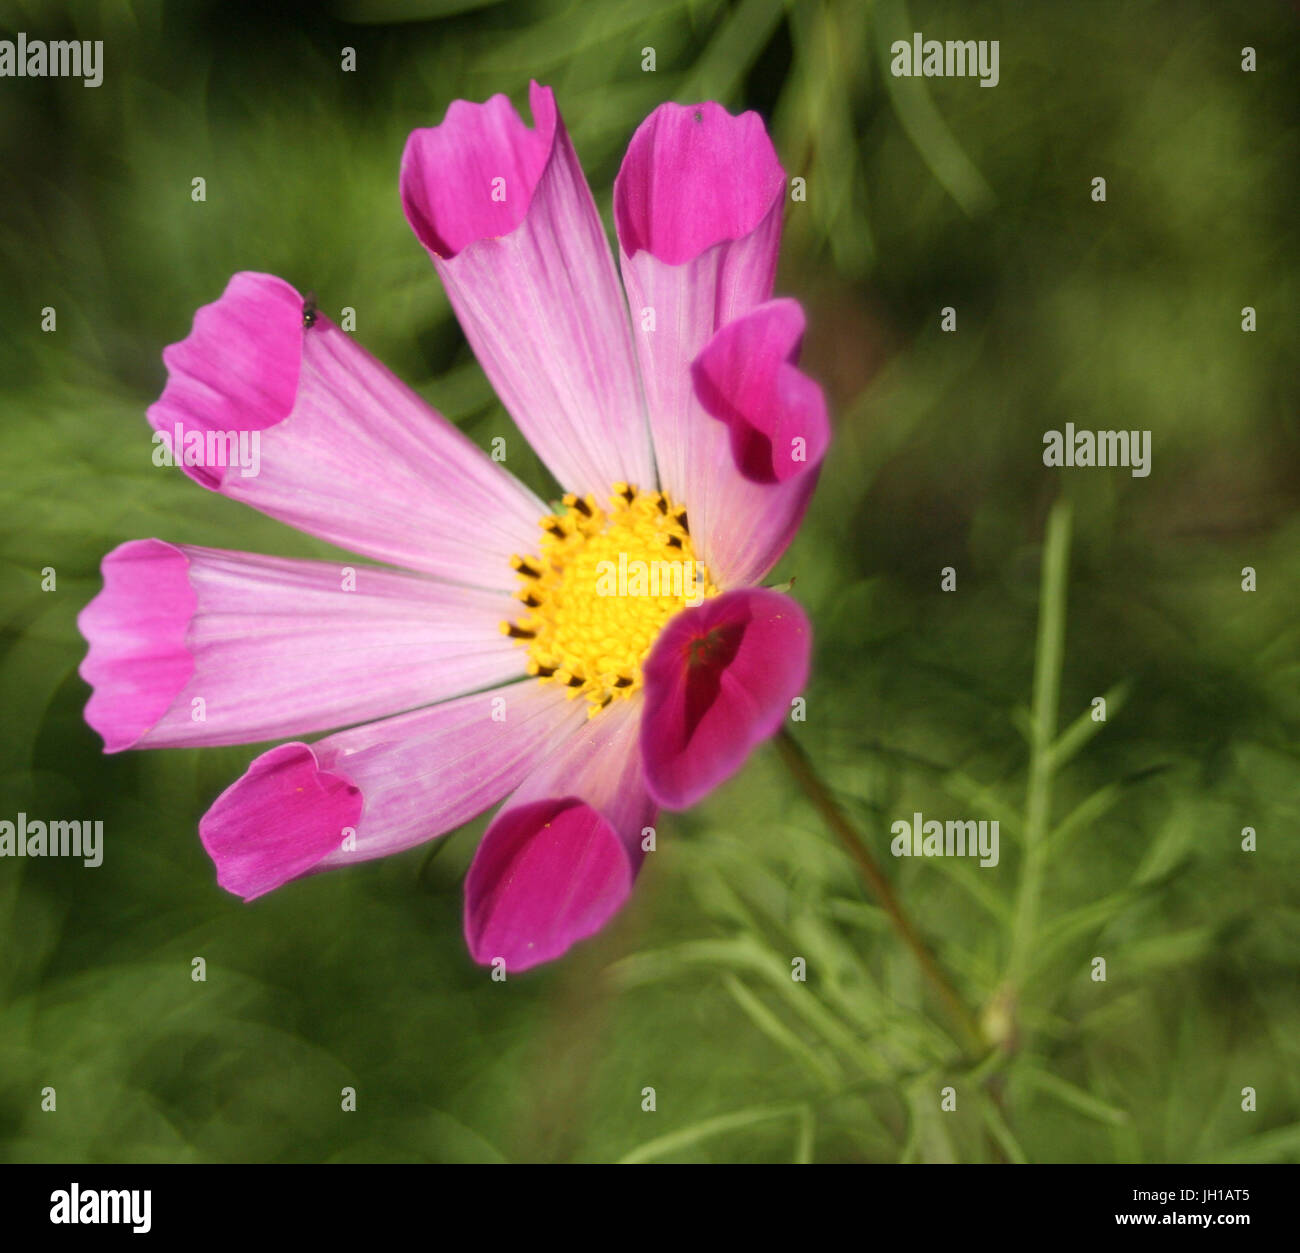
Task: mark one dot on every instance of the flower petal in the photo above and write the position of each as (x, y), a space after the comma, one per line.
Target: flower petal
(559, 860)
(137, 662)
(747, 378)
(508, 219)
(553, 872)
(343, 450)
(273, 647)
(406, 780)
(775, 416)
(694, 177)
(278, 821)
(697, 204)
(719, 681)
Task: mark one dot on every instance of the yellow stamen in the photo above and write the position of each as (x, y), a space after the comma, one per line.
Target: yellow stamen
(601, 586)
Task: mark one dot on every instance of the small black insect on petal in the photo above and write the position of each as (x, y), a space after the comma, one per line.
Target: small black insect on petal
(309, 310)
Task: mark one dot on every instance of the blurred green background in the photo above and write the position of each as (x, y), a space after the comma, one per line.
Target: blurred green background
(921, 194)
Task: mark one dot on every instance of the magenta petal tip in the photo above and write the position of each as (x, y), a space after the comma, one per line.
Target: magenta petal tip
(137, 662)
(278, 821)
(472, 177)
(237, 370)
(719, 681)
(547, 874)
(747, 378)
(721, 165)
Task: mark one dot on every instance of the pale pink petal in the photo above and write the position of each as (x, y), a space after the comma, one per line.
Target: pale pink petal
(719, 681)
(601, 763)
(558, 861)
(344, 450)
(381, 788)
(697, 205)
(775, 416)
(193, 646)
(532, 280)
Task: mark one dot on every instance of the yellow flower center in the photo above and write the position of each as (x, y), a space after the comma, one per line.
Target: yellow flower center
(602, 586)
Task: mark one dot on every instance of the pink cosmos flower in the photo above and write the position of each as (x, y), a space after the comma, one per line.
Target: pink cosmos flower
(520, 653)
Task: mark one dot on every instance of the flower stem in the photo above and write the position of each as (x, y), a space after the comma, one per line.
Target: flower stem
(1042, 765)
(878, 885)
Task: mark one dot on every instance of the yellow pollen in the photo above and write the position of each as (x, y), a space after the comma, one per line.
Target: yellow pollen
(601, 586)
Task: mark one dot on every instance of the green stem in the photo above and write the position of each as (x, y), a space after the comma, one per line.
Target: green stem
(806, 776)
(1047, 689)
